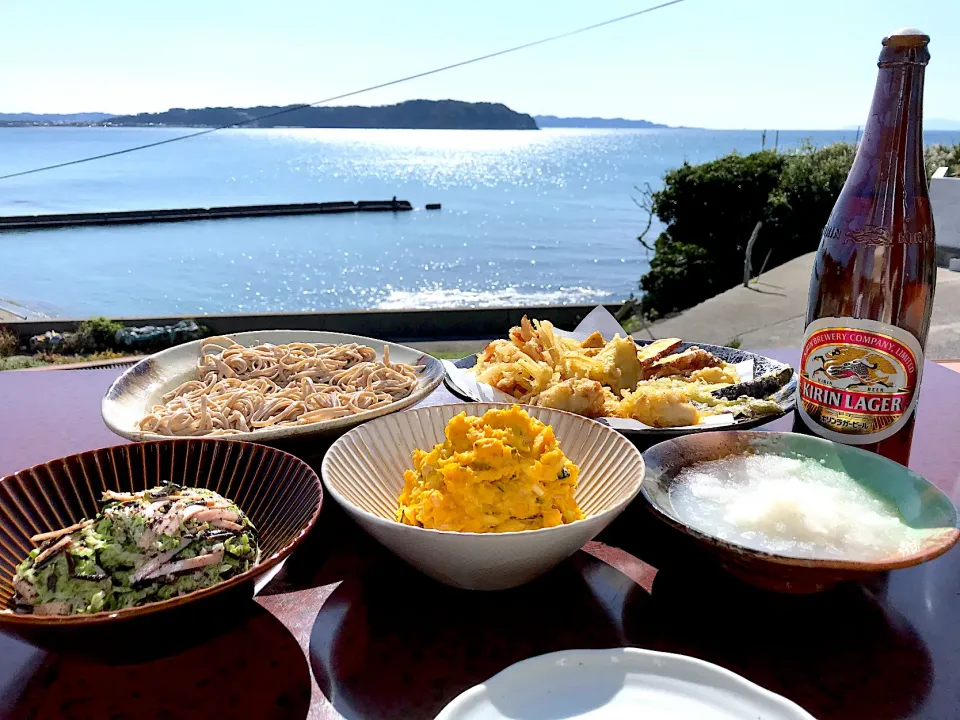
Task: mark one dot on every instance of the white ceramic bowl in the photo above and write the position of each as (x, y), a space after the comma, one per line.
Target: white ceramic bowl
(363, 471)
(133, 394)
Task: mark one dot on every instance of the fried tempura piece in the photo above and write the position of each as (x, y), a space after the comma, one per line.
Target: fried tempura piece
(593, 340)
(615, 366)
(659, 407)
(538, 341)
(621, 366)
(534, 342)
(649, 354)
(714, 375)
(684, 363)
(577, 365)
(577, 395)
(522, 379)
(498, 351)
(611, 403)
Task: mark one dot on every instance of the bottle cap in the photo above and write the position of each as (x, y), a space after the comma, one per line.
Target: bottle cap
(906, 38)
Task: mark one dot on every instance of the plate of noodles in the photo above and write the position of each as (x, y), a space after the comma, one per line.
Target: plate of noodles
(267, 385)
(664, 388)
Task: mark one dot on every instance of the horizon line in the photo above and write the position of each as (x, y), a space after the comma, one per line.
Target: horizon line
(664, 126)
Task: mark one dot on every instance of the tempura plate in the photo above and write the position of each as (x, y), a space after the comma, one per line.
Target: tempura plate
(785, 397)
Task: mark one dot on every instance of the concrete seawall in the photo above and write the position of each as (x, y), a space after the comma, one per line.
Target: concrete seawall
(131, 217)
(395, 325)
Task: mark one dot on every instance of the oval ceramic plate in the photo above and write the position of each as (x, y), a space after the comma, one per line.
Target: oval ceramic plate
(619, 683)
(141, 387)
(785, 396)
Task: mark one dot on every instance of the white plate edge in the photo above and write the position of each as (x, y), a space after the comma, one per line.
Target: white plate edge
(464, 700)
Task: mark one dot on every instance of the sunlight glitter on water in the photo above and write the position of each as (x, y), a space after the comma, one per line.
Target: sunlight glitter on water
(525, 213)
(508, 296)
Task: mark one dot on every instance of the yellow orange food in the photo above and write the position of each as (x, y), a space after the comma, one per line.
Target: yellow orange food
(503, 472)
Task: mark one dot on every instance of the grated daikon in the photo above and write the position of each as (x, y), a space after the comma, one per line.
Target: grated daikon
(789, 506)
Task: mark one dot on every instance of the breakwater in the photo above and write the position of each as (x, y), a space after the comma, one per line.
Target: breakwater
(133, 217)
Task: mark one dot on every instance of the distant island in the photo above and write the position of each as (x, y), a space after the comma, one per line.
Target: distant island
(53, 118)
(412, 114)
(546, 121)
(416, 114)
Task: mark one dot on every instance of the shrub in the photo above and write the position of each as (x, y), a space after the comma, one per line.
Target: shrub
(9, 343)
(711, 209)
(811, 181)
(938, 156)
(77, 342)
(97, 334)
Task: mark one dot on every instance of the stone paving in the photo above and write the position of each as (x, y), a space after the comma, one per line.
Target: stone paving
(772, 311)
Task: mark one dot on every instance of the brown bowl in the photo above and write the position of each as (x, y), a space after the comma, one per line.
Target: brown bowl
(921, 505)
(280, 493)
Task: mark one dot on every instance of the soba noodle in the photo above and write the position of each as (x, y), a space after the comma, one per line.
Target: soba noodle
(240, 389)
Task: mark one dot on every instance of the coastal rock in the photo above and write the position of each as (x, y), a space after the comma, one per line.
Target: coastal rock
(152, 335)
(48, 342)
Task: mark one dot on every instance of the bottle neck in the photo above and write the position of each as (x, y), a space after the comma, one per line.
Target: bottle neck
(892, 143)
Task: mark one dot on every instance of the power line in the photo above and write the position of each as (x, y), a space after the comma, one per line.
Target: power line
(294, 108)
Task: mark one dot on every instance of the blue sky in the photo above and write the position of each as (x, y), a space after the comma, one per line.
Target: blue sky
(778, 64)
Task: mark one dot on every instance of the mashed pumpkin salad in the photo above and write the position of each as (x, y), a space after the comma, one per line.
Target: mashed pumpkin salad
(503, 472)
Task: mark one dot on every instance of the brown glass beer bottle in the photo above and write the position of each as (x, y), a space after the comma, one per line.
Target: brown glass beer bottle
(871, 293)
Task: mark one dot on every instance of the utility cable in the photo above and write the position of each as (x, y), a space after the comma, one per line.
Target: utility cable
(294, 108)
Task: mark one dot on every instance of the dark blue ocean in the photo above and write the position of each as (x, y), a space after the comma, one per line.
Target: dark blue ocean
(528, 217)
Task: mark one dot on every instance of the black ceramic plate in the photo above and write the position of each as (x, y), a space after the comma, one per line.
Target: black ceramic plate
(785, 397)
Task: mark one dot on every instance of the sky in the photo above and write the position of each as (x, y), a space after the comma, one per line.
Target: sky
(776, 64)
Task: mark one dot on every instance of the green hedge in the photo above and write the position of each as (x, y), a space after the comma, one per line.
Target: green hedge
(938, 156)
(711, 209)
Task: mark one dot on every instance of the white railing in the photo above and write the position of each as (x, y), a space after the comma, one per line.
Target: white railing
(945, 203)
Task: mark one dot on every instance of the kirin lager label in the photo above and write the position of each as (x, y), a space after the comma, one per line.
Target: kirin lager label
(858, 379)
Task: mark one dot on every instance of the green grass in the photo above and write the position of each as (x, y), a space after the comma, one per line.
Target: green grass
(55, 359)
(20, 362)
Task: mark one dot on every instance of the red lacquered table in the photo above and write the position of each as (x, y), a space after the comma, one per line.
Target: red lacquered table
(346, 630)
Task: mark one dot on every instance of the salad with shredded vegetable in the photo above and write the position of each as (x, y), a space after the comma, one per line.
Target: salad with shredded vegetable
(141, 547)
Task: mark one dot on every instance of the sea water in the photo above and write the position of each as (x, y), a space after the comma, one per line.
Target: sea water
(529, 217)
